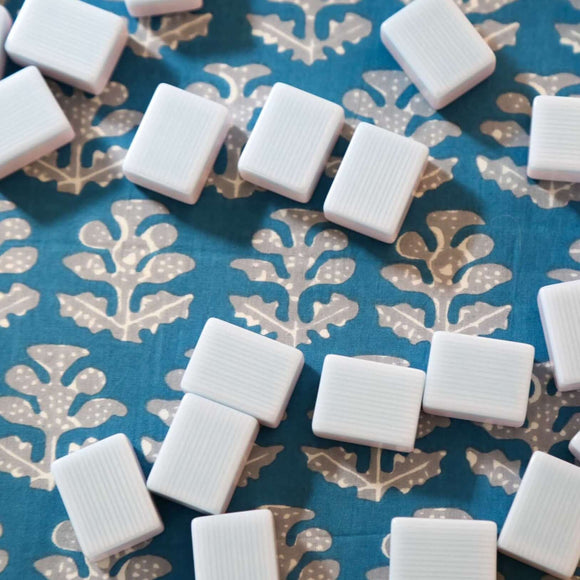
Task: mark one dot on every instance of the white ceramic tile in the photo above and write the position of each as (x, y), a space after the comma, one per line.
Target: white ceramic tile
(104, 493)
(68, 40)
(291, 142)
(370, 403)
(542, 528)
(32, 124)
(442, 549)
(480, 379)
(374, 186)
(237, 546)
(177, 143)
(244, 370)
(5, 24)
(140, 8)
(203, 454)
(575, 446)
(554, 152)
(560, 314)
(438, 48)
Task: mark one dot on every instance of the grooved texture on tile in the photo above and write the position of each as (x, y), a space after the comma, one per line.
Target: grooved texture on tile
(560, 314)
(369, 403)
(238, 546)
(32, 124)
(480, 379)
(291, 142)
(555, 139)
(542, 528)
(374, 186)
(5, 24)
(574, 446)
(203, 455)
(69, 40)
(140, 8)
(243, 370)
(103, 490)
(442, 549)
(438, 48)
(177, 143)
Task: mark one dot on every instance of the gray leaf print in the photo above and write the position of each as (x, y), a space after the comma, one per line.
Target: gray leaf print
(82, 110)
(299, 259)
(496, 467)
(391, 84)
(570, 36)
(568, 274)
(498, 34)
(338, 466)
(136, 262)
(259, 457)
(506, 133)
(309, 48)
(144, 567)
(241, 107)
(543, 411)
(3, 554)
(309, 540)
(54, 401)
(444, 263)
(148, 40)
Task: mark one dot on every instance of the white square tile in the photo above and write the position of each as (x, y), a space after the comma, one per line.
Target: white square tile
(68, 40)
(443, 549)
(244, 370)
(374, 186)
(542, 528)
(177, 143)
(253, 535)
(438, 48)
(203, 454)
(370, 403)
(574, 446)
(554, 152)
(5, 25)
(560, 314)
(291, 142)
(479, 379)
(104, 493)
(140, 8)
(32, 124)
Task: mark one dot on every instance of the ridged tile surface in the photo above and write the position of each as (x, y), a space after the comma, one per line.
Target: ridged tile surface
(237, 546)
(555, 139)
(542, 528)
(574, 446)
(374, 186)
(442, 549)
(559, 306)
(438, 48)
(103, 490)
(177, 143)
(68, 40)
(480, 379)
(203, 455)
(32, 124)
(140, 8)
(291, 142)
(5, 24)
(243, 370)
(370, 403)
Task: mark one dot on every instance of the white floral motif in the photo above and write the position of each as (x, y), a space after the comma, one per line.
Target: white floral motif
(511, 134)
(309, 48)
(144, 567)
(136, 262)
(81, 110)
(570, 33)
(54, 401)
(15, 260)
(444, 263)
(299, 260)
(242, 108)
